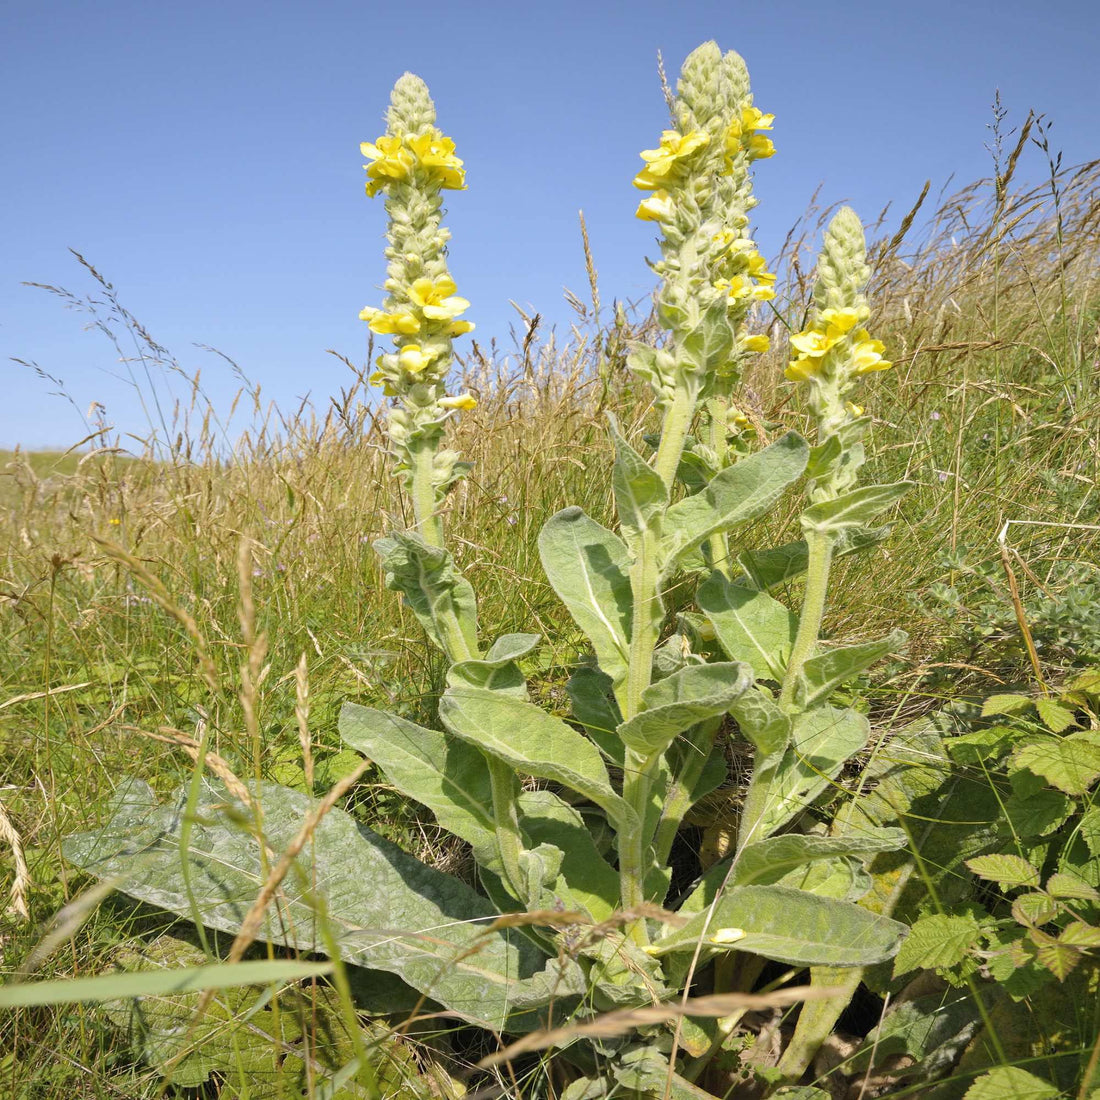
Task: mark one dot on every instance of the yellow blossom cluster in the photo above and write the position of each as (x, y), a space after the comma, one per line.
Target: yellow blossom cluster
(396, 157)
(752, 282)
(834, 338)
(744, 133)
(662, 167)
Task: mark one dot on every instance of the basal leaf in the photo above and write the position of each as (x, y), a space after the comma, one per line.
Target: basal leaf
(739, 493)
(533, 743)
(750, 625)
(790, 926)
(588, 568)
(594, 706)
(681, 700)
(387, 910)
(823, 674)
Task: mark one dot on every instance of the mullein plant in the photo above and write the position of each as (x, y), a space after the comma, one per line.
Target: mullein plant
(567, 923)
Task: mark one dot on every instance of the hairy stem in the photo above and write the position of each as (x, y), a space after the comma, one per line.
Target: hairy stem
(429, 524)
(506, 820)
(820, 546)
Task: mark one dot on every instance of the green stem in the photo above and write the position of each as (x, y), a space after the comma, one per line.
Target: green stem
(429, 524)
(673, 432)
(506, 821)
(820, 547)
(718, 543)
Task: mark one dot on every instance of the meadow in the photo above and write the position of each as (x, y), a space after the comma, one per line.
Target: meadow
(195, 597)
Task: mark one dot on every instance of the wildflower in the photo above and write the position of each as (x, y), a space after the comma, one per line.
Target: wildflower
(758, 343)
(854, 410)
(662, 163)
(462, 401)
(435, 152)
(458, 328)
(390, 161)
(403, 323)
(657, 208)
(744, 133)
(437, 299)
(414, 358)
(867, 354)
(114, 521)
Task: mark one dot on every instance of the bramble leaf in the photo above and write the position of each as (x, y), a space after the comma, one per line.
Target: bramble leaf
(1008, 871)
(1069, 763)
(936, 941)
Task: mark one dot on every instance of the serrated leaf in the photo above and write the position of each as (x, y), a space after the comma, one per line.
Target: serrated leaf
(441, 772)
(1054, 955)
(1008, 871)
(1054, 716)
(937, 941)
(438, 594)
(588, 567)
(1063, 884)
(823, 674)
(791, 926)
(682, 700)
(533, 743)
(645, 1072)
(1080, 934)
(853, 509)
(749, 624)
(388, 910)
(1090, 829)
(739, 493)
(1010, 1083)
(1034, 909)
(1039, 814)
(640, 494)
(1070, 765)
(1005, 704)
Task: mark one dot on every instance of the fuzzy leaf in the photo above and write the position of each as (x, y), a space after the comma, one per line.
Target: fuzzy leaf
(588, 568)
(681, 700)
(766, 569)
(1070, 764)
(936, 941)
(441, 772)
(790, 926)
(750, 625)
(853, 509)
(640, 494)
(594, 706)
(762, 722)
(388, 910)
(823, 674)
(765, 861)
(432, 586)
(533, 743)
(1008, 871)
(739, 493)
(497, 670)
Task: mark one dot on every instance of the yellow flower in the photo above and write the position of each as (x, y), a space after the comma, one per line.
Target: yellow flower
(436, 153)
(758, 269)
(855, 411)
(390, 324)
(743, 133)
(867, 354)
(657, 208)
(756, 343)
(389, 161)
(804, 368)
(413, 358)
(736, 287)
(114, 521)
(463, 401)
(840, 320)
(736, 419)
(662, 163)
(459, 327)
(437, 299)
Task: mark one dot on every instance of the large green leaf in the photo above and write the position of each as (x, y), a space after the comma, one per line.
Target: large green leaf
(760, 721)
(822, 740)
(679, 701)
(441, 772)
(640, 493)
(823, 674)
(588, 568)
(853, 509)
(387, 910)
(750, 625)
(533, 743)
(439, 595)
(790, 926)
(739, 493)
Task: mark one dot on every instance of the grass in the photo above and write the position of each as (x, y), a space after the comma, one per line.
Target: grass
(128, 610)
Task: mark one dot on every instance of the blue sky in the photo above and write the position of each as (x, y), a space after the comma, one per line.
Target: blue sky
(204, 156)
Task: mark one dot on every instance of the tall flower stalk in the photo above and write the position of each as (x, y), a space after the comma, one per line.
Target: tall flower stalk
(412, 164)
